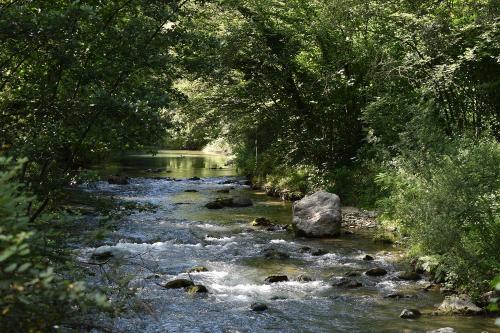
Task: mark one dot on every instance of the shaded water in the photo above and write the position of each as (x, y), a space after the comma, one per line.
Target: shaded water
(160, 245)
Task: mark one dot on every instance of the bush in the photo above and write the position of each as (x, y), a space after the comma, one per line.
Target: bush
(33, 298)
(447, 204)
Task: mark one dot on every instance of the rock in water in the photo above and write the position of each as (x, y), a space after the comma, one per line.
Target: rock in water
(443, 330)
(318, 215)
(368, 258)
(196, 289)
(304, 278)
(276, 278)
(241, 202)
(377, 271)
(117, 180)
(179, 283)
(258, 307)
(410, 314)
(197, 269)
(409, 276)
(461, 304)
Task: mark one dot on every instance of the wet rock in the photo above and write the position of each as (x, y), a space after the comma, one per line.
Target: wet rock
(194, 178)
(258, 307)
(214, 205)
(377, 271)
(178, 283)
(443, 330)
(347, 283)
(396, 296)
(262, 222)
(275, 254)
(276, 278)
(352, 274)
(368, 258)
(304, 278)
(305, 249)
(319, 252)
(229, 202)
(408, 276)
(196, 289)
(459, 304)
(197, 269)
(318, 215)
(410, 314)
(117, 180)
(191, 191)
(102, 255)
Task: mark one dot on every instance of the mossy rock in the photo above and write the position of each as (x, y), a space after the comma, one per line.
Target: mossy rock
(196, 289)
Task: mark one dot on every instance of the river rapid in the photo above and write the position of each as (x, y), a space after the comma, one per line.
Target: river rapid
(153, 246)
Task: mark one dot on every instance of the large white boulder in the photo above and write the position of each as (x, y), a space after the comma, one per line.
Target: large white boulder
(318, 215)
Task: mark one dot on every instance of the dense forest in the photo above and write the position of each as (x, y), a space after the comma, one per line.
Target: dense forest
(391, 104)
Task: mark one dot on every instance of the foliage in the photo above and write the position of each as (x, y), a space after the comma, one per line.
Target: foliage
(448, 204)
(33, 297)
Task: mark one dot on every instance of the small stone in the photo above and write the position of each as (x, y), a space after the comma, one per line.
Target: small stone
(377, 271)
(276, 278)
(319, 252)
(179, 283)
(368, 258)
(410, 314)
(443, 330)
(408, 276)
(196, 289)
(197, 269)
(395, 296)
(352, 274)
(262, 222)
(191, 191)
(304, 278)
(194, 178)
(258, 307)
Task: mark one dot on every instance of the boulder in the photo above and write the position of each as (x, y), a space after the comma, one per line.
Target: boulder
(459, 304)
(377, 271)
(178, 284)
(196, 289)
(317, 215)
(197, 269)
(117, 180)
(443, 330)
(410, 314)
(258, 307)
(408, 276)
(276, 278)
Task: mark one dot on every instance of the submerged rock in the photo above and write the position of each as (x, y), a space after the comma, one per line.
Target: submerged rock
(197, 269)
(318, 215)
(408, 276)
(262, 222)
(319, 252)
(460, 304)
(178, 284)
(118, 180)
(196, 289)
(410, 314)
(347, 283)
(377, 271)
(258, 307)
(275, 254)
(276, 278)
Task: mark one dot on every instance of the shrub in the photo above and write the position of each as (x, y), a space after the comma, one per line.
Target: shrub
(449, 206)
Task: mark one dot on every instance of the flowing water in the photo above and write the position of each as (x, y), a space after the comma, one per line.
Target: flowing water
(152, 247)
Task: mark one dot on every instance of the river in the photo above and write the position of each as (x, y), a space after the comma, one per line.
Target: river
(153, 246)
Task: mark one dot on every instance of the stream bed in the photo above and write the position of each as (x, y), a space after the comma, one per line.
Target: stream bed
(157, 245)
